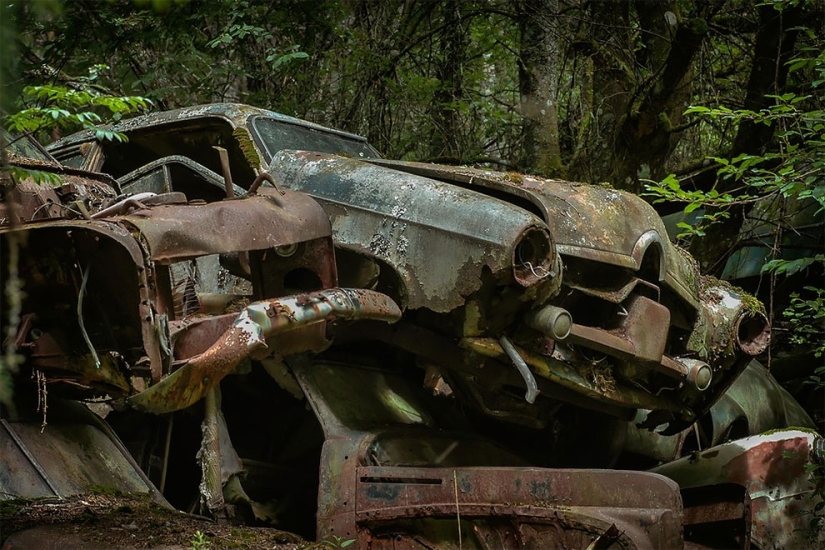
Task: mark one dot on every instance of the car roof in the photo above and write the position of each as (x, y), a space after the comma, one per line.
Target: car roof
(236, 113)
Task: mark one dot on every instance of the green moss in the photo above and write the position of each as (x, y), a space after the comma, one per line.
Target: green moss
(751, 302)
(664, 122)
(247, 147)
(514, 177)
(698, 26)
(104, 490)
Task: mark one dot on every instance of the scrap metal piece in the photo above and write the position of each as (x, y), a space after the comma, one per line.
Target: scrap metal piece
(248, 334)
(548, 508)
(227, 173)
(80, 315)
(76, 452)
(390, 477)
(118, 207)
(699, 373)
(209, 456)
(262, 177)
(31, 458)
(553, 321)
(181, 232)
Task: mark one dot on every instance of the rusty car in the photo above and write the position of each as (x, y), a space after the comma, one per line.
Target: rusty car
(522, 295)
(142, 305)
(285, 328)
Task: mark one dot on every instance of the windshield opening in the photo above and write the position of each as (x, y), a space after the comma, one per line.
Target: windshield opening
(276, 135)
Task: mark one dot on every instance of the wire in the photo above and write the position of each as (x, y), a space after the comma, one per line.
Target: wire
(80, 315)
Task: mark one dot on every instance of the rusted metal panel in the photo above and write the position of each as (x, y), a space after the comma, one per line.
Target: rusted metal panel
(717, 516)
(78, 195)
(408, 221)
(181, 232)
(516, 506)
(58, 253)
(137, 289)
(552, 503)
(74, 452)
(773, 468)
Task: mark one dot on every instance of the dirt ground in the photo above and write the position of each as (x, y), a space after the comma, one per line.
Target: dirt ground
(130, 523)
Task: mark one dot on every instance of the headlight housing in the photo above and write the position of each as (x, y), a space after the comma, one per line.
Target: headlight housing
(533, 257)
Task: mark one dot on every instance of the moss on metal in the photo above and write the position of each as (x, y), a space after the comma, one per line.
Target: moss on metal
(749, 301)
(247, 146)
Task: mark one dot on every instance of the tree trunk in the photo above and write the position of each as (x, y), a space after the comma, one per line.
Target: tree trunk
(639, 93)
(538, 65)
(773, 48)
(447, 138)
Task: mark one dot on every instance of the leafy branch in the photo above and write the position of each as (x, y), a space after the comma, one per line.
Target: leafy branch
(59, 106)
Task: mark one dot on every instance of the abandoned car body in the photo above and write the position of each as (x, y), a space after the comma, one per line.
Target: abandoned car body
(757, 489)
(128, 297)
(401, 472)
(570, 292)
(502, 288)
(755, 403)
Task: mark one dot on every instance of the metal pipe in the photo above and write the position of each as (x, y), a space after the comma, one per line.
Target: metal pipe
(523, 369)
(227, 173)
(256, 323)
(753, 332)
(119, 206)
(699, 374)
(80, 316)
(552, 321)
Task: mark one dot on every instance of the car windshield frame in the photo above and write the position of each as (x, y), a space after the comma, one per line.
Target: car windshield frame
(307, 138)
(24, 145)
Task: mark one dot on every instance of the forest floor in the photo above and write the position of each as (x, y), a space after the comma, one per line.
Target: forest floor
(130, 523)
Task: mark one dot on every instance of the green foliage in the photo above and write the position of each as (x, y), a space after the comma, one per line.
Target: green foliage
(807, 315)
(159, 6)
(337, 542)
(200, 542)
(789, 267)
(38, 176)
(792, 168)
(50, 106)
(239, 30)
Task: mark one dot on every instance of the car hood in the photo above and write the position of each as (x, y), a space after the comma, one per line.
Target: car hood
(591, 222)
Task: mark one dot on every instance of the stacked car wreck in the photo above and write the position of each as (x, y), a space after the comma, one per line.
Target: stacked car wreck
(453, 331)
